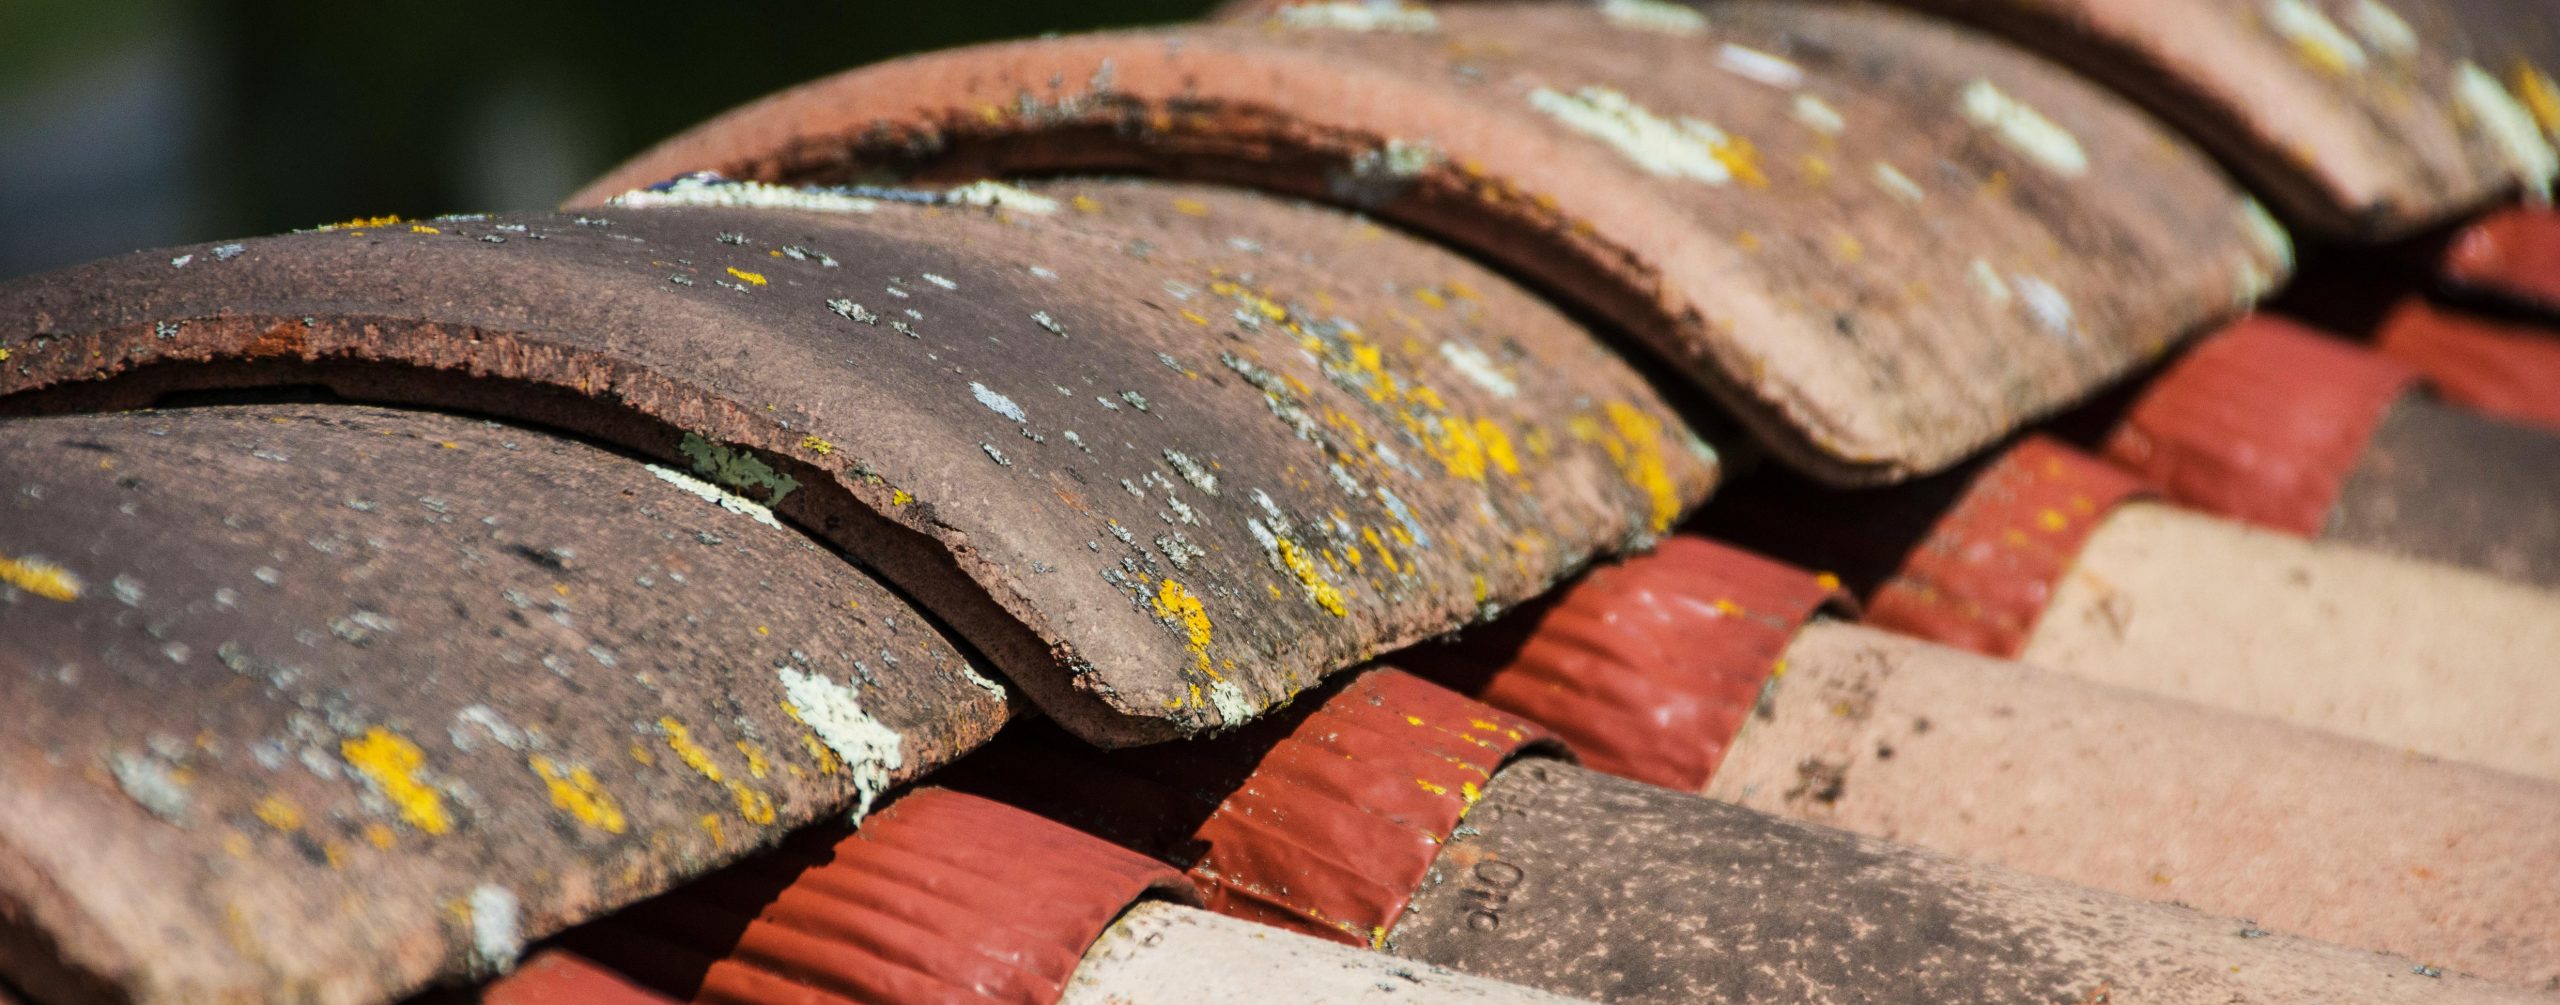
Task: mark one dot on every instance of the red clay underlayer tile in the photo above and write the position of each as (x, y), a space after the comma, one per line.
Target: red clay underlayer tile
(1982, 578)
(2364, 121)
(2506, 368)
(561, 977)
(940, 896)
(2287, 428)
(2511, 256)
(2263, 422)
(320, 702)
(1167, 456)
(1322, 820)
(1882, 242)
(1646, 667)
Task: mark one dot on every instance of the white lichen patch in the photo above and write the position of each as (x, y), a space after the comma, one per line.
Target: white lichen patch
(712, 190)
(1654, 15)
(996, 402)
(996, 194)
(1234, 709)
(980, 681)
(497, 933)
(1685, 148)
(2316, 38)
(1987, 280)
(1818, 115)
(151, 782)
(1375, 15)
(1479, 368)
(717, 496)
(1899, 185)
(869, 749)
(1755, 65)
(2048, 305)
(1192, 471)
(2024, 129)
(2383, 29)
(2509, 125)
(2263, 230)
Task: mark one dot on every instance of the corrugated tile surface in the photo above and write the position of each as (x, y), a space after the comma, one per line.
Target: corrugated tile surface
(1149, 451)
(1988, 568)
(1322, 820)
(1881, 241)
(318, 702)
(2263, 422)
(2511, 256)
(1646, 667)
(2508, 369)
(941, 897)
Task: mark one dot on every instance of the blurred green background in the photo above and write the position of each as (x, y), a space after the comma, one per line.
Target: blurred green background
(129, 124)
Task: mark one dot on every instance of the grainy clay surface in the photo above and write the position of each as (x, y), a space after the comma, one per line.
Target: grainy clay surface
(1164, 954)
(2427, 658)
(2297, 830)
(1584, 884)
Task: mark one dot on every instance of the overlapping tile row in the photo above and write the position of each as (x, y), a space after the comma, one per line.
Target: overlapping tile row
(2511, 257)
(1166, 456)
(2508, 368)
(316, 703)
(2360, 119)
(2284, 427)
(1851, 727)
(1560, 878)
(947, 897)
(2025, 563)
(1880, 241)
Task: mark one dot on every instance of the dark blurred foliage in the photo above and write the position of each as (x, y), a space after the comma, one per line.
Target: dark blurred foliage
(134, 123)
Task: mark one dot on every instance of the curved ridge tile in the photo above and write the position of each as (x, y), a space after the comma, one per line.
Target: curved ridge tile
(1883, 242)
(1145, 451)
(2362, 119)
(323, 702)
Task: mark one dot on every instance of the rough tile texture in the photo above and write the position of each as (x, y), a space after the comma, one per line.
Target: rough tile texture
(2430, 658)
(2362, 120)
(2298, 830)
(1880, 241)
(2449, 485)
(1167, 456)
(1580, 883)
(1162, 954)
(320, 702)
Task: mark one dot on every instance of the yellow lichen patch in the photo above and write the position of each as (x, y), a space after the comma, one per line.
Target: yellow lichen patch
(1740, 158)
(362, 221)
(1318, 590)
(828, 762)
(680, 740)
(280, 813)
(576, 792)
(1458, 449)
(391, 763)
(1427, 786)
(710, 824)
(756, 763)
(1633, 440)
(1086, 204)
(753, 804)
(420, 228)
(380, 836)
(2541, 96)
(1175, 603)
(1497, 447)
(817, 446)
(1190, 207)
(1379, 545)
(2052, 520)
(1826, 581)
(749, 278)
(1431, 298)
(39, 577)
(237, 845)
(900, 497)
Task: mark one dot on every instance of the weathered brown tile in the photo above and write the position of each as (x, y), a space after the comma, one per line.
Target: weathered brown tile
(1882, 242)
(1579, 883)
(1167, 456)
(317, 703)
(2365, 120)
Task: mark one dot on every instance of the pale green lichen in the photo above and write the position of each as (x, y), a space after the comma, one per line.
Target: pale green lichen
(736, 468)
